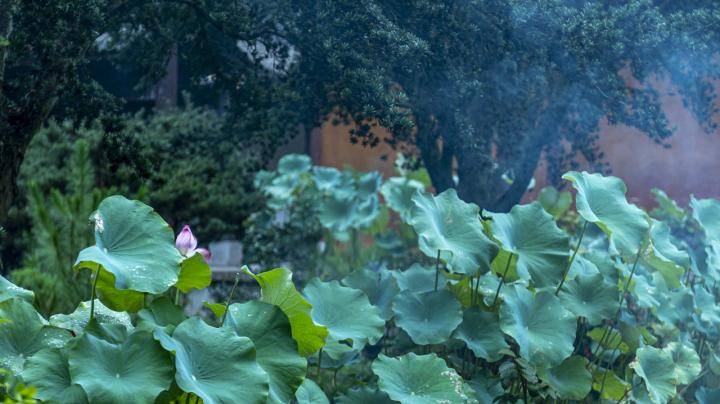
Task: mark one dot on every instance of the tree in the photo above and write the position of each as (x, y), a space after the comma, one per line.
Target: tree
(43, 47)
(485, 86)
(489, 85)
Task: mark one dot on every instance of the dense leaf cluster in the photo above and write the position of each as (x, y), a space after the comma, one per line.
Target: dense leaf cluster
(505, 307)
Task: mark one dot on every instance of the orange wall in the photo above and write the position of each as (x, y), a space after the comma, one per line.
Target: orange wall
(690, 166)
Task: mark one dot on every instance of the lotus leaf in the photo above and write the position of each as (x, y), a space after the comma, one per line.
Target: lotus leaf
(195, 273)
(310, 393)
(591, 297)
(78, 319)
(269, 329)
(427, 317)
(216, 364)
(601, 200)
(539, 247)
(542, 327)
(24, 333)
(379, 285)
(135, 245)
(278, 289)
(707, 213)
(346, 312)
(134, 370)
(687, 362)
(398, 193)
(446, 224)
(570, 379)
(657, 370)
(420, 379)
(48, 371)
(418, 278)
(9, 290)
(480, 330)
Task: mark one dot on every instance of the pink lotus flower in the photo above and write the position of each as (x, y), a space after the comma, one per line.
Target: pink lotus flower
(186, 243)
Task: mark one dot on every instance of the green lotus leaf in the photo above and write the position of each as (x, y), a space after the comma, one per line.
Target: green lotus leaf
(420, 379)
(427, 317)
(117, 299)
(463, 290)
(338, 211)
(601, 200)
(269, 329)
(656, 368)
(591, 297)
(705, 395)
(644, 292)
(216, 364)
(480, 330)
(367, 211)
(418, 278)
(294, 164)
(310, 393)
(134, 370)
(634, 336)
(542, 327)
(675, 307)
(705, 302)
(687, 362)
(135, 245)
(398, 193)
(278, 289)
(161, 315)
(712, 260)
(609, 340)
(707, 213)
(346, 312)
(281, 191)
(486, 387)
(368, 184)
(665, 257)
(539, 247)
(583, 266)
(668, 205)
(612, 386)
(447, 224)
(570, 379)
(78, 319)
(380, 287)
(48, 371)
(195, 273)
(554, 202)
(327, 178)
(218, 309)
(9, 290)
(24, 333)
(337, 354)
(364, 395)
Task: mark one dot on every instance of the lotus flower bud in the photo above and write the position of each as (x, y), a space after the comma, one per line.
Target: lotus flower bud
(205, 253)
(185, 241)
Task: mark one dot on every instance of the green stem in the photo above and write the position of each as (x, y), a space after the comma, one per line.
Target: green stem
(227, 303)
(502, 278)
(92, 293)
(567, 269)
(622, 299)
(317, 375)
(177, 297)
(612, 354)
(437, 269)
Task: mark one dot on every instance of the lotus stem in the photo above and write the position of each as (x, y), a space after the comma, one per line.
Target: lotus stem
(437, 269)
(569, 265)
(317, 374)
(607, 331)
(502, 278)
(227, 302)
(92, 293)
